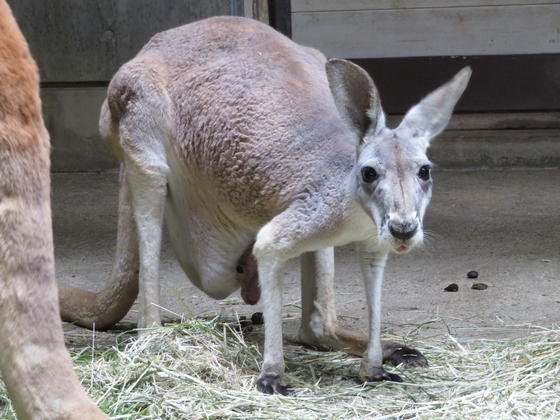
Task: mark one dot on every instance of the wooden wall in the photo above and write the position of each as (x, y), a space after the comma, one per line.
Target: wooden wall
(412, 46)
(412, 28)
(509, 116)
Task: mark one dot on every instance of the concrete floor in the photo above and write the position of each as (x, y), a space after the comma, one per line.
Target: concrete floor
(504, 224)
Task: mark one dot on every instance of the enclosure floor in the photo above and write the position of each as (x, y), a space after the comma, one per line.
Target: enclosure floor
(503, 224)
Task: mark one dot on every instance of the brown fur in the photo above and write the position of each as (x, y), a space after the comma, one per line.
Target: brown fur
(33, 360)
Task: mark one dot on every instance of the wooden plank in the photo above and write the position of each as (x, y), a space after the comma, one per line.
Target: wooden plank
(506, 121)
(248, 9)
(498, 83)
(496, 149)
(257, 9)
(496, 121)
(299, 6)
(431, 32)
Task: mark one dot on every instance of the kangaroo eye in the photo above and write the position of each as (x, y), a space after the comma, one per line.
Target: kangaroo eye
(369, 174)
(424, 172)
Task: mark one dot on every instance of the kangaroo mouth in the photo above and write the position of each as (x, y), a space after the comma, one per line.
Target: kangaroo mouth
(402, 248)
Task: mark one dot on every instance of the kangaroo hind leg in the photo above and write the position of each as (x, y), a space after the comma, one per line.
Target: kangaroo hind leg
(143, 135)
(319, 325)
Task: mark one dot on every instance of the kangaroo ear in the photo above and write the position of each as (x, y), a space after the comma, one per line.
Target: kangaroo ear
(356, 97)
(428, 118)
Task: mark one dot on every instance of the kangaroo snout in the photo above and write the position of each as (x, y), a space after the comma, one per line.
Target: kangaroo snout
(403, 230)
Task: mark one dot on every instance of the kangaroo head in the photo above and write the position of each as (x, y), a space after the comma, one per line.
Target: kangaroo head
(392, 177)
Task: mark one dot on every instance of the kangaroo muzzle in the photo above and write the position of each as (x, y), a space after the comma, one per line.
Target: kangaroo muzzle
(403, 230)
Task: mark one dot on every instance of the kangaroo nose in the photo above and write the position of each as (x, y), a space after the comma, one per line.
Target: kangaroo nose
(403, 231)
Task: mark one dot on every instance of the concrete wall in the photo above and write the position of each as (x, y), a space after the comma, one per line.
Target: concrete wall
(78, 45)
(71, 116)
(411, 46)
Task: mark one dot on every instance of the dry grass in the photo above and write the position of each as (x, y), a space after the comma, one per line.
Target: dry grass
(206, 369)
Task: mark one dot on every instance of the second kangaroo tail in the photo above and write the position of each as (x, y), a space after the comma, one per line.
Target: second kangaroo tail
(103, 309)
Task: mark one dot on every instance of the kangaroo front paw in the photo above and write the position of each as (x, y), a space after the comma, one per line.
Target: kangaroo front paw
(272, 384)
(408, 356)
(378, 375)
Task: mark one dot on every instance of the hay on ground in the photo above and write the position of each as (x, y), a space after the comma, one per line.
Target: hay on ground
(206, 369)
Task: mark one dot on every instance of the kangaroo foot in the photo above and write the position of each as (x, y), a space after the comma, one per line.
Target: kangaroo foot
(396, 354)
(272, 384)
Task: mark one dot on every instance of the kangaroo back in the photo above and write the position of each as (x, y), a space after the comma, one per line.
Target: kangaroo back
(244, 101)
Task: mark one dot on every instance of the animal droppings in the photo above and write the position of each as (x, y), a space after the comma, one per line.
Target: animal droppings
(257, 318)
(453, 287)
(479, 286)
(472, 274)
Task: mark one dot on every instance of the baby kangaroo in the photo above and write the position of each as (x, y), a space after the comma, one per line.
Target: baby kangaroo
(237, 137)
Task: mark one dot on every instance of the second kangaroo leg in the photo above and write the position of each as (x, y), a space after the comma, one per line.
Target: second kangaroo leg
(319, 326)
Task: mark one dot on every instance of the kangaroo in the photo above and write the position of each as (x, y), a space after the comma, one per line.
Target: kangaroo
(34, 362)
(255, 150)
